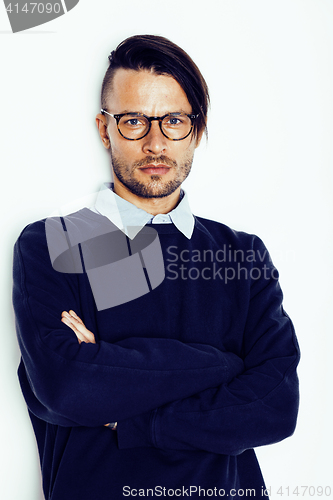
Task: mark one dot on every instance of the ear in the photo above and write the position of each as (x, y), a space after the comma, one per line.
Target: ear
(102, 126)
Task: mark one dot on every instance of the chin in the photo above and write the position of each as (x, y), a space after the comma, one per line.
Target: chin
(158, 190)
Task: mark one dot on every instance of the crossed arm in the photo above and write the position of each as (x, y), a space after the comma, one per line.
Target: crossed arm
(162, 392)
(251, 410)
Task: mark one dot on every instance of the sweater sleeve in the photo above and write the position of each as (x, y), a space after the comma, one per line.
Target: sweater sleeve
(69, 384)
(258, 407)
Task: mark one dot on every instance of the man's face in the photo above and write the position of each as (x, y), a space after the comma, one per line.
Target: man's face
(154, 166)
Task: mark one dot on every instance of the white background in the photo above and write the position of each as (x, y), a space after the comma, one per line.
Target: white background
(266, 169)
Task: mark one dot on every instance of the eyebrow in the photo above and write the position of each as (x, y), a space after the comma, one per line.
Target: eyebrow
(167, 112)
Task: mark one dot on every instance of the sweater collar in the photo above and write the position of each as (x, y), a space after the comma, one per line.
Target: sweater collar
(130, 219)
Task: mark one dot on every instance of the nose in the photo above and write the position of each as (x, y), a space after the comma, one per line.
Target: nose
(155, 142)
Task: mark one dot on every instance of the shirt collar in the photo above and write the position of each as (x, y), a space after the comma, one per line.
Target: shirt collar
(130, 219)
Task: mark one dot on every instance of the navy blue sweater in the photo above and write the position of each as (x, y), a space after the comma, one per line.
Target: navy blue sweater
(197, 372)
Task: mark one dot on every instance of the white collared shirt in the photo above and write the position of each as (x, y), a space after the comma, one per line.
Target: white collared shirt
(130, 219)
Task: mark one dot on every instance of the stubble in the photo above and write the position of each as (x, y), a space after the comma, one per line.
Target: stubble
(155, 186)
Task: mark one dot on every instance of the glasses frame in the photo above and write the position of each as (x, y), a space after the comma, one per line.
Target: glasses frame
(117, 117)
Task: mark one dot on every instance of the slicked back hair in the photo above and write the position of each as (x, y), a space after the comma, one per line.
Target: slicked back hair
(163, 57)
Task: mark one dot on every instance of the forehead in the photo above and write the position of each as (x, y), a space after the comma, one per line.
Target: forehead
(146, 92)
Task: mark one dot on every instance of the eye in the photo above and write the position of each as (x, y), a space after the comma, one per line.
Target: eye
(133, 122)
(173, 121)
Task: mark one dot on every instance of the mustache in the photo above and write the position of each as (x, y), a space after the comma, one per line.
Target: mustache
(155, 160)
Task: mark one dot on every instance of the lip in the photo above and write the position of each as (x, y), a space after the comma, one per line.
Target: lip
(151, 169)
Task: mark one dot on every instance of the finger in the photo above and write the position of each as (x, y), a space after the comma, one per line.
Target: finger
(84, 331)
(71, 319)
(80, 337)
(78, 327)
(80, 330)
(65, 319)
(73, 314)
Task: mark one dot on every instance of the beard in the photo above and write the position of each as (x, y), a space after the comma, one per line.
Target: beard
(155, 187)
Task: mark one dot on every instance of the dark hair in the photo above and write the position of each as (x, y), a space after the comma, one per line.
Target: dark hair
(163, 57)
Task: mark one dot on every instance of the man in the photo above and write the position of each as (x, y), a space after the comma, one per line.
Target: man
(162, 390)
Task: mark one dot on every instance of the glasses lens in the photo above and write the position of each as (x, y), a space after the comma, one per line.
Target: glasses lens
(133, 126)
(176, 126)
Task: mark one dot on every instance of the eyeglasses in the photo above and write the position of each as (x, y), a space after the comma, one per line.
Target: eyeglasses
(135, 126)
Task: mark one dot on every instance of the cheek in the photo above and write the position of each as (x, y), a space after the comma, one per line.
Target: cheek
(188, 150)
(123, 148)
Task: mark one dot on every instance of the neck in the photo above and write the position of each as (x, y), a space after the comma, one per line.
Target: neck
(153, 206)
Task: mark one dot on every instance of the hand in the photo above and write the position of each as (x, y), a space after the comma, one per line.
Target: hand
(112, 426)
(76, 324)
